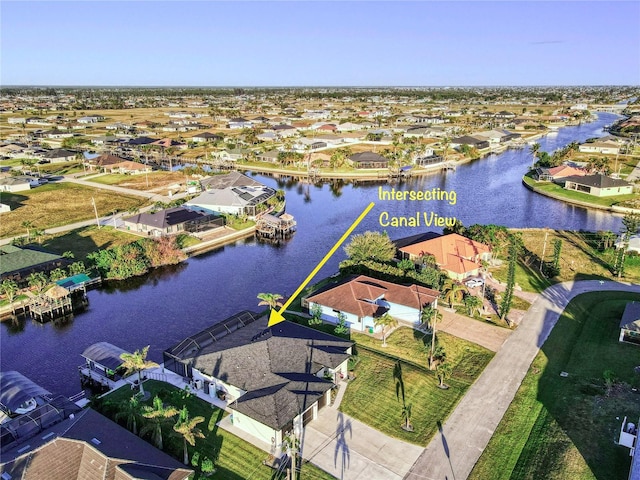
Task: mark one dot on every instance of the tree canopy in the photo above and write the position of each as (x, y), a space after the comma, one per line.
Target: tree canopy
(370, 246)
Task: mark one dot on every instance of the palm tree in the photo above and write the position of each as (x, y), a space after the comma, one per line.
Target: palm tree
(534, 149)
(158, 415)
(452, 292)
(130, 409)
(385, 321)
(406, 416)
(38, 281)
(272, 300)
(9, 288)
(186, 428)
(431, 316)
(27, 224)
(136, 362)
(443, 371)
(472, 303)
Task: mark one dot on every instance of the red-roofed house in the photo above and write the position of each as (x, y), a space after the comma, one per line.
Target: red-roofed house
(561, 171)
(459, 257)
(362, 299)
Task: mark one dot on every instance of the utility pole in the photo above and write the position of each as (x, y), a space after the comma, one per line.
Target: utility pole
(95, 209)
(544, 248)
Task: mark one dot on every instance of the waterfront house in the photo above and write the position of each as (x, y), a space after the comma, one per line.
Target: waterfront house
(606, 147)
(104, 161)
(170, 221)
(206, 137)
(18, 263)
(233, 193)
(553, 174)
(18, 183)
(630, 323)
(128, 167)
(459, 257)
(598, 185)
(270, 156)
(470, 141)
(272, 378)
(89, 446)
(363, 299)
(368, 160)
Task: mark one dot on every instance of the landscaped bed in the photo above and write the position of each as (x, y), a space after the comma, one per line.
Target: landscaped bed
(371, 397)
(560, 427)
(234, 458)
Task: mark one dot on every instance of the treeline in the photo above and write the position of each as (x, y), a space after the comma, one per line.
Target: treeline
(137, 258)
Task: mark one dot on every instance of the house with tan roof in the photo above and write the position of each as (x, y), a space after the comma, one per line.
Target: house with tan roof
(604, 147)
(561, 171)
(128, 167)
(459, 257)
(363, 299)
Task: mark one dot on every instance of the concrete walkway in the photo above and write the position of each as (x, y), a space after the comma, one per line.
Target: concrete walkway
(350, 450)
(455, 450)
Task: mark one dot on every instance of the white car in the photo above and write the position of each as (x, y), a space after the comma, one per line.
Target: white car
(474, 282)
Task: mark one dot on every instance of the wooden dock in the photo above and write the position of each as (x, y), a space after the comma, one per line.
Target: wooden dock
(272, 227)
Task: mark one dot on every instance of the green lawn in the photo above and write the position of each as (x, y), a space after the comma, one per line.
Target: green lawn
(552, 188)
(234, 458)
(110, 179)
(371, 397)
(560, 428)
(528, 278)
(83, 241)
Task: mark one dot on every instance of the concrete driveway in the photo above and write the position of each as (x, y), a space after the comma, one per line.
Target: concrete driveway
(350, 450)
(454, 451)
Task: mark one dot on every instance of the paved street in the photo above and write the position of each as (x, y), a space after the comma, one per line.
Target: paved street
(454, 451)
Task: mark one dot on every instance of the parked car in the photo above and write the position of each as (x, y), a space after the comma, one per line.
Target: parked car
(474, 282)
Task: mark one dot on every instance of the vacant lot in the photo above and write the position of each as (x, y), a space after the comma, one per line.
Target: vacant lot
(151, 181)
(371, 397)
(58, 204)
(565, 427)
(83, 241)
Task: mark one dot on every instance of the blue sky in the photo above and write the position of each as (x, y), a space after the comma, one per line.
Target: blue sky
(360, 43)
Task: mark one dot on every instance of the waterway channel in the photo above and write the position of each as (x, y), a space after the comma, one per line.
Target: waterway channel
(172, 303)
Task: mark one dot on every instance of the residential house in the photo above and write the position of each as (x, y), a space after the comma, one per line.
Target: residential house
(128, 167)
(478, 143)
(553, 174)
(459, 257)
(232, 155)
(604, 147)
(90, 119)
(18, 263)
(350, 127)
(87, 445)
(169, 143)
(239, 123)
(633, 244)
(18, 183)
(169, 221)
(233, 193)
(363, 299)
(272, 378)
(270, 156)
(368, 160)
(59, 155)
(267, 137)
(630, 323)
(285, 131)
(305, 144)
(598, 185)
(104, 161)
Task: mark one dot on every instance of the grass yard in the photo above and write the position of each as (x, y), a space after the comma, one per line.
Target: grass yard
(57, 204)
(157, 179)
(557, 190)
(580, 259)
(234, 458)
(83, 241)
(371, 397)
(560, 428)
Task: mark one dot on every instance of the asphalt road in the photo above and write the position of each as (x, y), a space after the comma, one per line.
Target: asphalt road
(454, 451)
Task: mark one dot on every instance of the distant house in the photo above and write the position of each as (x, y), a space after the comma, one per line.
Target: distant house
(18, 183)
(304, 144)
(91, 119)
(458, 256)
(233, 193)
(284, 131)
(128, 167)
(233, 155)
(363, 299)
(598, 185)
(270, 156)
(59, 155)
(272, 378)
(239, 123)
(368, 160)
(630, 324)
(478, 143)
(604, 147)
(552, 174)
(167, 222)
(169, 143)
(18, 263)
(104, 161)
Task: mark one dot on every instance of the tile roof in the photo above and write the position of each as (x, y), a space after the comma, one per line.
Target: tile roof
(452, 252)
(356, 296)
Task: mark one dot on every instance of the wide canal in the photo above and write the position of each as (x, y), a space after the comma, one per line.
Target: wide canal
(172, 303)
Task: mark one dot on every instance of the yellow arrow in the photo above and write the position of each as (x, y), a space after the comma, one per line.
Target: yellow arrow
(276, 316)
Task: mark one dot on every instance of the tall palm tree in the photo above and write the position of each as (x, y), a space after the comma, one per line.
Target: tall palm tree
(472, 303)
(130, 409)
(136, 362)
(534, 149)
(186, 428)
(27, 224)
(9, 288)
(38, 281)
(272, 300)
(158, 415)
(443, 371)
(431, 316)
(385, 321)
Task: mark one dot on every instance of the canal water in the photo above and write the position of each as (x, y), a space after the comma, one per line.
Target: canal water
(172, 303)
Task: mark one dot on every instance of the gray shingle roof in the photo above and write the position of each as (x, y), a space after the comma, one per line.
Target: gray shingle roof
(13, 259)
(631, 317)
(165, 218)
(276, 366)
(598, 180)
